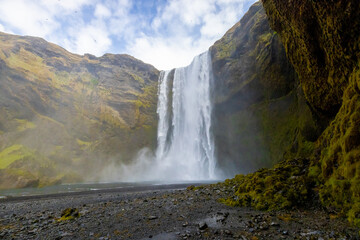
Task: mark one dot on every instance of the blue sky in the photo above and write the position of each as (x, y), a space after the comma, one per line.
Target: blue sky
(164, 33)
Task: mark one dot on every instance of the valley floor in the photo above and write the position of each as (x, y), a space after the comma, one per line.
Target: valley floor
(160, 214)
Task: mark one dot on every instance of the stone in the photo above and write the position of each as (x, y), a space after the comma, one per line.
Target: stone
(274, 224)
(264, 226)
(152, 217)
(203, 225)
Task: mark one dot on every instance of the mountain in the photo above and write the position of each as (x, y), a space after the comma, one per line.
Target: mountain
(63, 117)
(67, 118)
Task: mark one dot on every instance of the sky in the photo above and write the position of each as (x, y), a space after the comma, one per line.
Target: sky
(164, 33)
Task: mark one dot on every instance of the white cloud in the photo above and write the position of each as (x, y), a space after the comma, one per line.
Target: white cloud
(175, 43)
(188, 12)
(164, 53)
(27, 17)
(90, 39)
(179, 30)
(64, 5)
(101, 11)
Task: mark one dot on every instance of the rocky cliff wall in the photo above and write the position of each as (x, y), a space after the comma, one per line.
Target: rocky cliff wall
(260, 109)
(322, 40)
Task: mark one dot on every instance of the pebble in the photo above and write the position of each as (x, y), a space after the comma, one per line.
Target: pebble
(101, 219)
(65, 234)
(274, 224)
(32, 232)
(264, 226)
(202, 225)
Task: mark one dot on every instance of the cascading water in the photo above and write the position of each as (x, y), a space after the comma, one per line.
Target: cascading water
(185, 145)
(185, 148)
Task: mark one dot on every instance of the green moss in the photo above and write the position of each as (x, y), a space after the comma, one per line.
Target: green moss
(24, 124)
(69, 214)
(339, 158)
(284, 186)
(266, 38)
(354, 214)
(20, 172)
(145, 106)
(17, 178)
(83, 144)
(193, 188)
(12, 154)
(137, 78)
(324, 52)
(225, 49)
(229, 202)
(94, 82)
(28, 62)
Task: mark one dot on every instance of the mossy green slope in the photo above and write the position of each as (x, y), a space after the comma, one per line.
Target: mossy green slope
(77, 113)
(321, 39)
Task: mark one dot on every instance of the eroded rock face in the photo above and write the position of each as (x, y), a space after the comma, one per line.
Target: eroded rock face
(260, 110)
(322, 40)
(61, 112)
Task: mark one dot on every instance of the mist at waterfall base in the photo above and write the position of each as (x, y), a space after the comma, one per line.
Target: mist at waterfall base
(185, 145)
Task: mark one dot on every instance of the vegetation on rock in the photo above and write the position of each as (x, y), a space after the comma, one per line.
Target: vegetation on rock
(70, 115)
(69, 214)
(284, 186)
(321, 40)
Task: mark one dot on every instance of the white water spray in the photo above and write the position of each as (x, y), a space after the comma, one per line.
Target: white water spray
(185, 148)
(185, 144)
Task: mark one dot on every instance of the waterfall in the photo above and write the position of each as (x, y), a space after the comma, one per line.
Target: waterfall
(185, 148)
(185, 145)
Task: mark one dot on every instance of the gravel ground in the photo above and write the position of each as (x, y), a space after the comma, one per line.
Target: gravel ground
(160, 214)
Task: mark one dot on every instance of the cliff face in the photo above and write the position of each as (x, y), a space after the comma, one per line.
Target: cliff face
(63, 116)
(322, 40)
(260, 109)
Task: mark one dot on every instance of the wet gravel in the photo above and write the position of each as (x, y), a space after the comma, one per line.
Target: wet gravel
(161, 214)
